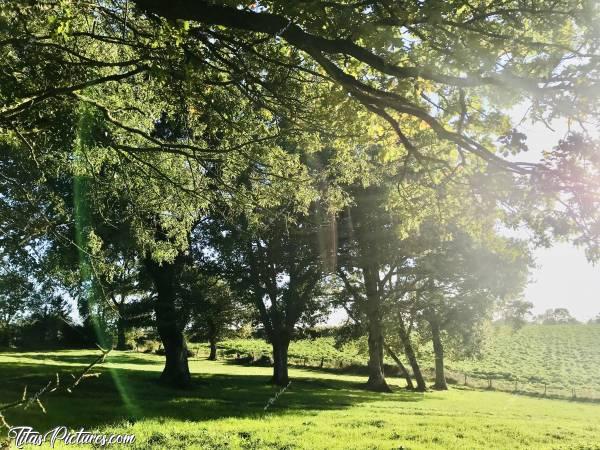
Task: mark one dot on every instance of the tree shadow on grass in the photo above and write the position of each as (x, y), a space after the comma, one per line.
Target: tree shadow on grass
(60, 358)
(132, 394)
(347, 370)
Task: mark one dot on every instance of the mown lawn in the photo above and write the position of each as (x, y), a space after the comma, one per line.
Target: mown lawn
(318, 411)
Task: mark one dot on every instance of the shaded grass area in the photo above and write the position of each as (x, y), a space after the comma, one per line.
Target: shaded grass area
(318, 410)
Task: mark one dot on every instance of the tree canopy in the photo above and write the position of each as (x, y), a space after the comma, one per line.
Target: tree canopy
(300, 142)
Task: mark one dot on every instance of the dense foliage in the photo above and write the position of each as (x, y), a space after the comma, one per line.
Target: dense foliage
(302, 155)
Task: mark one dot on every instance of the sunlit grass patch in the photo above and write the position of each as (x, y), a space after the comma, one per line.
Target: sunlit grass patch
(320, 410)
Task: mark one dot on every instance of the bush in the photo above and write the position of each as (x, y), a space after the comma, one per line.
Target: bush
(161, 351)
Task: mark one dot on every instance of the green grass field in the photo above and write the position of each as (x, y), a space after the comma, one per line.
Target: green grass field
(318, 411)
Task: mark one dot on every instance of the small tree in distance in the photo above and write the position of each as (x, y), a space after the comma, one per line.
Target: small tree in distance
(516, 312)
(595, 320)
(555, 316)
(214, 312)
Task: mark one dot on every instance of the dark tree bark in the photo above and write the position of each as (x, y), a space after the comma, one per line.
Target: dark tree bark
(280, 338)
(176, 372)
(403, 371)
(212, 339)
(5, 336)
(280, 341)
(438, 350)
(412, 358)
(376, 381)
(121, 344)
(213, 349)
(280, 361)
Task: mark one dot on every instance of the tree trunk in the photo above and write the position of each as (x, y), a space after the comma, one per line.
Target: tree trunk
(403, 371)
(176, 372)
(438, 349)
(412, 358)
(121, 344)
(376, 381)
(213, 349)
(280, 361)
(212, 338)
(5, 336)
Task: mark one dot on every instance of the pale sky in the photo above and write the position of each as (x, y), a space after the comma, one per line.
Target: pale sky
(563, 277)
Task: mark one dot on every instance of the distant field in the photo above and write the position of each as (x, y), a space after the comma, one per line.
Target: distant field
(225, 409)
(560, 355)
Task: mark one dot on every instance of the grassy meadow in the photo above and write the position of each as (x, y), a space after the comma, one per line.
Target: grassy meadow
(319, 410)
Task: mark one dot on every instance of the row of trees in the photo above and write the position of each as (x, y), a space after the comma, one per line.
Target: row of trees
(517, 313)
(434, 281)
(292, 156)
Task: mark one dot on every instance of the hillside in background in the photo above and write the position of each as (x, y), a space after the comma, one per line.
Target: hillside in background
(560, 355)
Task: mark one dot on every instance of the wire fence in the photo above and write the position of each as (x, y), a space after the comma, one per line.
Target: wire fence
(525, 386)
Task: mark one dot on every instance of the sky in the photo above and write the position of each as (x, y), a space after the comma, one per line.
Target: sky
(562, 277)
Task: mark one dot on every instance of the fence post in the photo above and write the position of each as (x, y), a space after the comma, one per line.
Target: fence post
(516, 385)
(545, 388)
(574, 396)
(490, 383)
(465, 379)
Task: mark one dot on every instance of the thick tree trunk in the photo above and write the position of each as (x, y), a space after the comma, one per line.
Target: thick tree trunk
(121, 342)
(412, 358)
(438, 350)
(213, 349)
(280, 361)
(376, 381)
(403, 371)
(212, 339)
(176, 372)
(5, 336)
